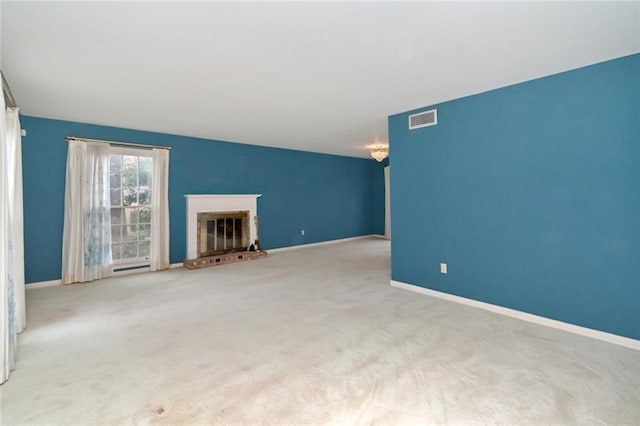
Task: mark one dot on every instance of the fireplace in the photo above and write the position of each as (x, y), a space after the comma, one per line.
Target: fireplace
(222, 232)
(220, 223)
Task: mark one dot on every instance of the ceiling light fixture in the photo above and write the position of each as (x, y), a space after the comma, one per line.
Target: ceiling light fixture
(379, 153)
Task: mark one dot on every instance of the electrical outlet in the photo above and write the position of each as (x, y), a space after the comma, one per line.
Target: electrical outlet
(443, 268)
(302, 232)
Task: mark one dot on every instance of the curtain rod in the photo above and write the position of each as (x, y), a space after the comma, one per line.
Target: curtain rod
(8, 96)
(139, 145)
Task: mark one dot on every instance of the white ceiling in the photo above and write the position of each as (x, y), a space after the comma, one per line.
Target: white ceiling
(312, 76)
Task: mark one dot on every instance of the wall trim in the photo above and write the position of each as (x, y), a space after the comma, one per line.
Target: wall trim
(323, 243)
(42, 284)
(536, 319)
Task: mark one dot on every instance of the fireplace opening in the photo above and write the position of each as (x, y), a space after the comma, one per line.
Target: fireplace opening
(222, 232)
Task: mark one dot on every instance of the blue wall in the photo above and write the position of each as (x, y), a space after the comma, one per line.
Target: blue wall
(531, 195)
(328, 196)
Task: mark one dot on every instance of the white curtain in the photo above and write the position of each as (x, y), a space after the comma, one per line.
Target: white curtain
(86, 242)
(7, 334)
(12, 297)
(160, 210)
(13, 141)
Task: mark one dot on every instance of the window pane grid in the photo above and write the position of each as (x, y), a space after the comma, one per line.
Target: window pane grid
(130, 185)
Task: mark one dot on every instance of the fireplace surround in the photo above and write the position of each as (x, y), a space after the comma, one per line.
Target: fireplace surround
(220, 223)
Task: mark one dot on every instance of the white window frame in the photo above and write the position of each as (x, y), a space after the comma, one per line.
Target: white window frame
(137, 152)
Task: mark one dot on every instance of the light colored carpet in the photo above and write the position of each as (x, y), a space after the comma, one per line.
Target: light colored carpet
(309, 336)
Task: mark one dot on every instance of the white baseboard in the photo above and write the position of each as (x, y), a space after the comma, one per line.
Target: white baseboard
(42, 284)
(321, 243)
(180, 264)
(583, 331)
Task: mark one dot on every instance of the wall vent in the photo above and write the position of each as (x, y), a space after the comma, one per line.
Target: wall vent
(423, 119)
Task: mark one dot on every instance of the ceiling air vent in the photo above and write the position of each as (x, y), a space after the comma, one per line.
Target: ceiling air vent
(423, 119)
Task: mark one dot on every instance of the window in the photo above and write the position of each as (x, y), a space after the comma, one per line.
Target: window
(130, 174)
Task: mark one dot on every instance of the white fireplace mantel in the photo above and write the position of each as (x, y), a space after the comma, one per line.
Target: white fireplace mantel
(208, 203)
